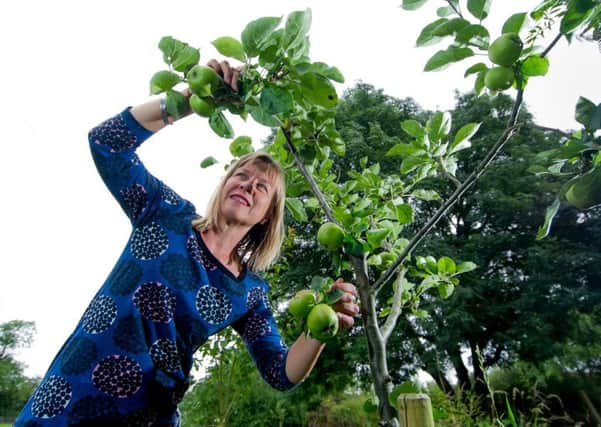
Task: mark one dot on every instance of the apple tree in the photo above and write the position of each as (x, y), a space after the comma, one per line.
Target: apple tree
(283, 89)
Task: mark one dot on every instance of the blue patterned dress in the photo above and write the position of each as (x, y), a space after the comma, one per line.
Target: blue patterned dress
(128, 361)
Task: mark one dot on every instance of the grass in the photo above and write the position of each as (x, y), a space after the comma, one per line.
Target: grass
(5, 425)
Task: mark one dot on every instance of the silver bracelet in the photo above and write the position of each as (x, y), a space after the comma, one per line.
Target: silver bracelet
(164, 113)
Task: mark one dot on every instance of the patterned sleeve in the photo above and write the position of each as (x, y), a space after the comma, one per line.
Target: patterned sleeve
(113, 144)
(262, 338)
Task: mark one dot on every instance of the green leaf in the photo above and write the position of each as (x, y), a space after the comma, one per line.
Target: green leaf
(476, 68)
(162, 81)
(412, 4)
(230, 47)
(596, 119)
(276, 100)
(450, 27)
(584, 111)
(479, 8)
(410, 163)
(404, 213)
(297, 27)
(446, 265)
(576, 14)
(325, 70)
(445, 289)
(444, 58)
(540, 10)
(176, 104)
(208, 161)
(241, 145)
(479, 83)
(543, 230)
(464, 267)
(256, 33)
(376, 236)
(439, 125)
(535, 65)
(512, 419)
(514, 23)
(402, 149)
(220, 125)
(425, 194)
(178, 54)
(413, 128)
(186, 59)
(262, 117)
(462, 135)
(333, 296)
(444, 11)
(318, 90)
(474, 34)
(426, 37)
(296, 209)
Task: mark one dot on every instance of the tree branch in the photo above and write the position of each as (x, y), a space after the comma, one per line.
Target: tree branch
(303, 170)
(396, 309)
(457, 11)
(458, 193)
(551, 45)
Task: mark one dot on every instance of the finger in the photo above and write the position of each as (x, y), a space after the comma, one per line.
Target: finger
(345, 321)
(214, 65)
(235, 78)
(345, 286)
(349, 308)
(227, 72)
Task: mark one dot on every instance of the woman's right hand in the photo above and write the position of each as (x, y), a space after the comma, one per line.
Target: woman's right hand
(229, 74)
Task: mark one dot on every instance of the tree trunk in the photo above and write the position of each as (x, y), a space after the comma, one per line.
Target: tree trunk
(376, 346)
(463, 376)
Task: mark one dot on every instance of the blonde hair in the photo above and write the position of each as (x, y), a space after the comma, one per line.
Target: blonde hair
(259, 248)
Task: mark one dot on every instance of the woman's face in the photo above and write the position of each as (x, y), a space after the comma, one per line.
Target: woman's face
(247, 196)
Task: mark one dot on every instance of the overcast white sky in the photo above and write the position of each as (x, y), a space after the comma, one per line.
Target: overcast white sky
(70, 64)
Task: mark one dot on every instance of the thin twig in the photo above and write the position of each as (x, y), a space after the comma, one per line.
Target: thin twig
(457, 11)
(314, 188)
(555, 40)
(459, 192)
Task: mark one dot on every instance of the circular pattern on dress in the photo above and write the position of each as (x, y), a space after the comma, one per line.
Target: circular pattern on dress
(51, 398)
(125, 278)
(118, 376)
(256, 326)
(168, 195)
(155, 302)
(135, 199)
(99, 315)
(95, 408)
(163, 353)
(129, 335)
(180, 272)
(256, 297)
(149, 242)
(212, 304)
(275, 373)
(114, 134)
(194, 248)
(78, 356)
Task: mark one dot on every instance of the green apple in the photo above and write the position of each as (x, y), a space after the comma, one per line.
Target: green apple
(203, 106)
(506, 49)
(203, 81)
(499, 78)
(322, 322)
(331, 236)
(302, 303)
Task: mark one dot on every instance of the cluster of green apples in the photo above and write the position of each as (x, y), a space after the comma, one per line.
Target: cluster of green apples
(203, 82)
(310, 308)
(503, 52)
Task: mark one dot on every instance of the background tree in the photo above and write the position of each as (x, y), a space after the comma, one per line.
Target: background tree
(15, 386)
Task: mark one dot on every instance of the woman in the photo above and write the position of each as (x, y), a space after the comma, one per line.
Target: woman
(180, 279)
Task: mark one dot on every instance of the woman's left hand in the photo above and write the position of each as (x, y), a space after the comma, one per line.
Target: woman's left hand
(346, 307)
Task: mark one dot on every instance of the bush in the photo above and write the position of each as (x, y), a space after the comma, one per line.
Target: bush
(343, 411)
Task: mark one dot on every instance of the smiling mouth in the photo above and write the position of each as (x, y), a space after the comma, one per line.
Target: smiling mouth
(240, 199)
